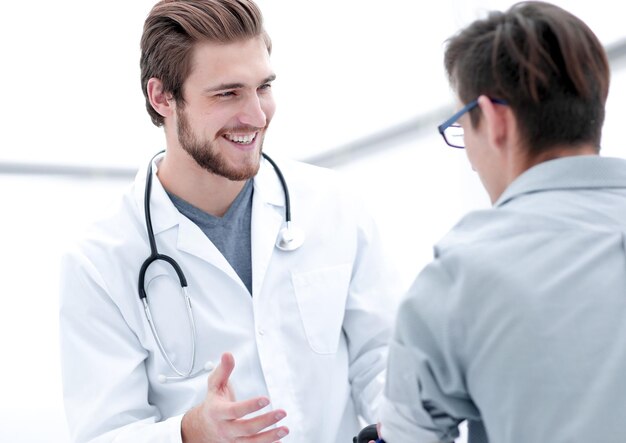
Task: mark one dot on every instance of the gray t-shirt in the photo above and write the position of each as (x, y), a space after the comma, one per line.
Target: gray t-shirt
(230, 233)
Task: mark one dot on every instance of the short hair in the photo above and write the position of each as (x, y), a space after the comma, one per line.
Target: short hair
(545, 62)
(174, 26)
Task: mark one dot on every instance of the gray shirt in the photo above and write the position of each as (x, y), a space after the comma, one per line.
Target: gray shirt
(230, 234)
(520, 320)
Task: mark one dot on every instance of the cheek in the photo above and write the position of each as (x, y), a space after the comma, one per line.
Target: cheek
(469, 152)
(474, 150)
(469, 159)
(269, 107)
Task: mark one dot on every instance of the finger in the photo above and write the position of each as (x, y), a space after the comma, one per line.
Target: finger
(238, 409)
(218, 378)
(255, 425)
(270, 436)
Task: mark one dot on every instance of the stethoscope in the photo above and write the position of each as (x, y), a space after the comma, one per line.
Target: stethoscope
(289, 238)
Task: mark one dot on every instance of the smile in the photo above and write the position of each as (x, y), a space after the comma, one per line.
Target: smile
(242, 139)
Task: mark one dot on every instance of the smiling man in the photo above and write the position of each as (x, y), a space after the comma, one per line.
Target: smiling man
(229, 297)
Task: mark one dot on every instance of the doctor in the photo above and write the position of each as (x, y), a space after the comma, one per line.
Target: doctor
(292, 322)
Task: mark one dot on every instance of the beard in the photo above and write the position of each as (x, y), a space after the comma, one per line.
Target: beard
(208, 157)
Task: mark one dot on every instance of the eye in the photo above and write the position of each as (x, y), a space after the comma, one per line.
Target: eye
(226, 94)
(265, 87)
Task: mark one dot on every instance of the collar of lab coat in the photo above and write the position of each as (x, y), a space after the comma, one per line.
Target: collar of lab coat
(267, 216)
(267, 189)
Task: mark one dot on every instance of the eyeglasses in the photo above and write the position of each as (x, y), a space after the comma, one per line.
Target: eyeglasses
(452, 132)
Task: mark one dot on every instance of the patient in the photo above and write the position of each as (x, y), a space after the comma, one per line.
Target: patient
(518, 324)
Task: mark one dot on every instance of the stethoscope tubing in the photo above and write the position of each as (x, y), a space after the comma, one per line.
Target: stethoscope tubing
(156, 256)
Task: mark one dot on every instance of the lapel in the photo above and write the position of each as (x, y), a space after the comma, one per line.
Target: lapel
(268, 206)
(170, 225)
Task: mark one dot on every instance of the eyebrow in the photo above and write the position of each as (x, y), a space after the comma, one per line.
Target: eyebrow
(224, 86)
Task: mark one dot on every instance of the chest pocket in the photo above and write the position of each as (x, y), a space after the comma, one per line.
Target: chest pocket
(321, 297)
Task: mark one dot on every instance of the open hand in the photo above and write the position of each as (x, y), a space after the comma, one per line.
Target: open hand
(219, 418)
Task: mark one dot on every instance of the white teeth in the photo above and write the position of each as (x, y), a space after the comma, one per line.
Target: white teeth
(243, 139)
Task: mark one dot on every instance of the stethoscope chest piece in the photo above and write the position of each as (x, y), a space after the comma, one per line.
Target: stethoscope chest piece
(290, 237)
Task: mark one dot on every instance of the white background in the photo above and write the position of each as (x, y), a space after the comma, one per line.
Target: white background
(346, 69)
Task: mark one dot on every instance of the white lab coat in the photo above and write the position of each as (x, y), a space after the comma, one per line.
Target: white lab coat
(312, 337)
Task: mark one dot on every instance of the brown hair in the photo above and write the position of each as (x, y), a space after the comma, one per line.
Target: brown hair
(174, 26)
(545, 62)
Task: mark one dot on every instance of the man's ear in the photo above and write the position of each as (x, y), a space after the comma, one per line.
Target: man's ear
(161, 102)
(499, 121)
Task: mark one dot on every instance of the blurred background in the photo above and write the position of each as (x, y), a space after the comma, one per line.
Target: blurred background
(360, 89)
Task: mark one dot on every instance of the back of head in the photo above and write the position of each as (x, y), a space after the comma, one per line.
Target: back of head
(545, 62)
(174, 26)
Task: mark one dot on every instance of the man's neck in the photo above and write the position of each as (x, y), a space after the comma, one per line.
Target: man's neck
(184, 178)
(519, 162)
(565, 151)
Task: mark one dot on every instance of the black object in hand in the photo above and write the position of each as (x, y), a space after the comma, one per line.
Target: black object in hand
(367, 433)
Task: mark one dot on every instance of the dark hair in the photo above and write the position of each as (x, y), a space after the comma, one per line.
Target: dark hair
(174, 26)
(545, 62)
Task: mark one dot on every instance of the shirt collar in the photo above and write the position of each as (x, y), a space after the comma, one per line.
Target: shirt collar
(572, 172)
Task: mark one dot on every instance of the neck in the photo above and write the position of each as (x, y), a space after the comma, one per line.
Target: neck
(526, 161)
(180, 175)
(519, 161)
(564, 151)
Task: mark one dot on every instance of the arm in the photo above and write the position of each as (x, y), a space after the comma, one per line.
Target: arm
(104, 379)
(371, 304)
(425, 394)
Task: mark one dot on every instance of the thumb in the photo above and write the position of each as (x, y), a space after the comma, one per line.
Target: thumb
(218, 378)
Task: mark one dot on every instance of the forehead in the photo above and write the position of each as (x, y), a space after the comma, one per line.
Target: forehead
(246, 62)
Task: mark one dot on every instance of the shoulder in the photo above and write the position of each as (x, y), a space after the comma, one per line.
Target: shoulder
(326, 203)
(117, 229)
(492, 229)
(317, 185)
(305, 174)
(476, 227)
(478, 248)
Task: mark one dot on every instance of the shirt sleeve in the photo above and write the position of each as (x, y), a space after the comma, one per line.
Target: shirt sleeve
(105, 386)
(371, 304)
(425, 395)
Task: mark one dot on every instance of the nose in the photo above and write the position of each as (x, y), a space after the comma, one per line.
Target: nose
(253, 112)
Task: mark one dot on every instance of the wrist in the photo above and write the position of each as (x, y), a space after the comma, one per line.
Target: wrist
(190, 430)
